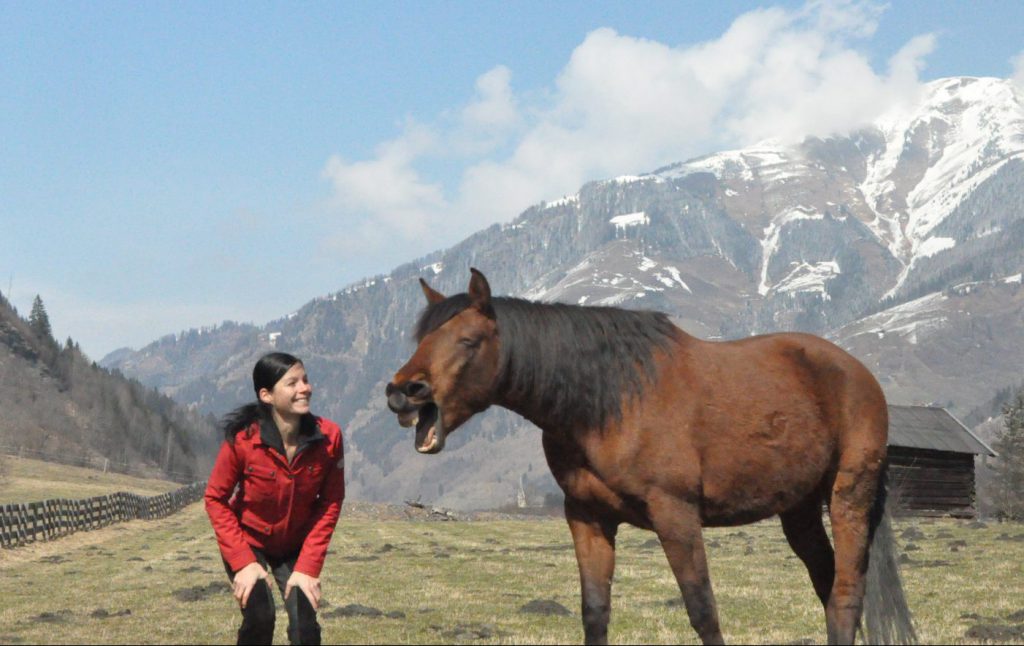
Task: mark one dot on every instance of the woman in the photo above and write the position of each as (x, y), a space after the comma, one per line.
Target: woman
(274, 497)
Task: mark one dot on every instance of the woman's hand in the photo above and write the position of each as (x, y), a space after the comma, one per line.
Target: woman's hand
(245, 580)
(309, 585)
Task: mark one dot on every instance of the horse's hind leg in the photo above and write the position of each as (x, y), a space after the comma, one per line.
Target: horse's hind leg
(594, 542)
(805, 530)
(679, 529)
(852, 497)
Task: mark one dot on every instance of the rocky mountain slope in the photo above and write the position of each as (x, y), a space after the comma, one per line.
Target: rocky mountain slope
(903, 242)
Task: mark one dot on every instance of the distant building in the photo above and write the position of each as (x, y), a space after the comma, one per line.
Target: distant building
(931, 462)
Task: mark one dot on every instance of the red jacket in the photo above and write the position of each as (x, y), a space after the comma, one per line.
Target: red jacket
(278, 508)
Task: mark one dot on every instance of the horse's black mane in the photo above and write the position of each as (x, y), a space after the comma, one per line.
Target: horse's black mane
(572, 362)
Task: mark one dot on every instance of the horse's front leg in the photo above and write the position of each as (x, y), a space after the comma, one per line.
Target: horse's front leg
(594, 541)
(679, 530)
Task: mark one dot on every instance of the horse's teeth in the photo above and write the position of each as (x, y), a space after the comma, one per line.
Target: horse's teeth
(415, 420)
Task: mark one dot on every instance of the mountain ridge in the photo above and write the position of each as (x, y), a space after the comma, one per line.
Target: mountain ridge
(830, 236)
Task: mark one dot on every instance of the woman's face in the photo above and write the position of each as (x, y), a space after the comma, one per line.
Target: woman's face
(291, 394)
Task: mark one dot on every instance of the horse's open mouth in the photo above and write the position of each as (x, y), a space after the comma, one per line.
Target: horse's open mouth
(429, 432)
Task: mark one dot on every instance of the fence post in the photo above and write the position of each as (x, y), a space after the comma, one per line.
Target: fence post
(62, 516)
(30, 518)
(5, 540)
(46, 521)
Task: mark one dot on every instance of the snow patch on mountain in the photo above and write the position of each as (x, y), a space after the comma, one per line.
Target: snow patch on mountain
(910, 320)
(933, 245)
(630, 220)
(809, 277)
(563, 201)
(612, 280)
(629, 179)
(766, 161)
(676, 278)
(770, 242)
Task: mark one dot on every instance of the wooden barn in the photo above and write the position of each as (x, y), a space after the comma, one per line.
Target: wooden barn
(931, 462)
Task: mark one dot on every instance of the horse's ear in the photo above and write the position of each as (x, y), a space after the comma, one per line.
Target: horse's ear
(480, 293)
(433, 296)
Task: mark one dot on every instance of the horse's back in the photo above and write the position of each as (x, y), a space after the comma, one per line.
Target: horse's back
(784, 372)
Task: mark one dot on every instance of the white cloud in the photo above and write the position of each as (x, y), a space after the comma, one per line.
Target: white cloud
(388, 185)
(494, 105)
(857, 19)
(1018, 70)
(624, 105)
(384, 199)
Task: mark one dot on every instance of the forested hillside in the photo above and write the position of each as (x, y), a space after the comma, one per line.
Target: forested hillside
(59, 404)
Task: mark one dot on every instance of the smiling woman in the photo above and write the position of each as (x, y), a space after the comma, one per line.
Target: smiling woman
(274, 498)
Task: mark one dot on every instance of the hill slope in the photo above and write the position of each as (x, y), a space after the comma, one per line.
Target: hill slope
(59, 404)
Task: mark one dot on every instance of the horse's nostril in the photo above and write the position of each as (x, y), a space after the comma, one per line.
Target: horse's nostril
(397, 402)
(419, 389)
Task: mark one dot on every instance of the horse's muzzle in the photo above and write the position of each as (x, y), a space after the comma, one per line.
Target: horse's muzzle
(401, 398)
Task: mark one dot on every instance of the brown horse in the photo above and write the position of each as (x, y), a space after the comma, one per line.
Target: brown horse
(645, 424)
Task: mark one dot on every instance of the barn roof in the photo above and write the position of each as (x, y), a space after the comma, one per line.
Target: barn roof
(927, 427)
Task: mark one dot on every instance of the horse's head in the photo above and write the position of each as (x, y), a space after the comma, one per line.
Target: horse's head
(451, 375)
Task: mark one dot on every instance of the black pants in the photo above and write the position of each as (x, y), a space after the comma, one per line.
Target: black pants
(258, 614)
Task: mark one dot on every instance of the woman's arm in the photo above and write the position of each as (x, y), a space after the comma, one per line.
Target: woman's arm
(325, 516)
(227, 471)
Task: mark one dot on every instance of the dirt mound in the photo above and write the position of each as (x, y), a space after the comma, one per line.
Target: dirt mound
(545, 607)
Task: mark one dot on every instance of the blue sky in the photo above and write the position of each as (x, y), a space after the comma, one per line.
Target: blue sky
(168, 165)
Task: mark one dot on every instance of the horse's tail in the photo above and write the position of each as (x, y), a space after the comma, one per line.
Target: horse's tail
(886, 615)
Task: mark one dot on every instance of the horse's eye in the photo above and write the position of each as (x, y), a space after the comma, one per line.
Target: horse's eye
(470, 343)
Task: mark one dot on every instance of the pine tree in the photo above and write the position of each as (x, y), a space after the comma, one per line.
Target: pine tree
(1008, 480)
(39, 321)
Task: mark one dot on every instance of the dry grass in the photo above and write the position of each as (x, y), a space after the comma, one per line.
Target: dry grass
(454, 582)
(31, 480)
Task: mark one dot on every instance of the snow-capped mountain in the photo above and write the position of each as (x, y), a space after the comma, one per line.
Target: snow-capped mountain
(903, 242)
(903, 179)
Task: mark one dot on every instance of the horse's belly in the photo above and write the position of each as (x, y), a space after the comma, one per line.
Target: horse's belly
(756, 470)
(733, 497)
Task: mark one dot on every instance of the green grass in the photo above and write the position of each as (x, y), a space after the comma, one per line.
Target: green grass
(29, 480)
(478, 575)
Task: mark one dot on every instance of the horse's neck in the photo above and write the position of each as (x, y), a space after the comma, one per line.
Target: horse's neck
(529, 404)
(522, 403)
(531, 413)
(551, 380)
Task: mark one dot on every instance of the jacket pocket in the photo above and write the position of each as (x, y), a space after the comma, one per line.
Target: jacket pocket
(259, 525)
(308, 483)
(260, 484)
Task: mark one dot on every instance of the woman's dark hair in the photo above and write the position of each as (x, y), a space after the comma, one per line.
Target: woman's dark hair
(267, 372)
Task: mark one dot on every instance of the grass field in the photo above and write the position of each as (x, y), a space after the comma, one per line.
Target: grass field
(29, 480)
(455, 582)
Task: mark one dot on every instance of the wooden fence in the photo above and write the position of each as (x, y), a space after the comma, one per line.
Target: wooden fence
(44, 521)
